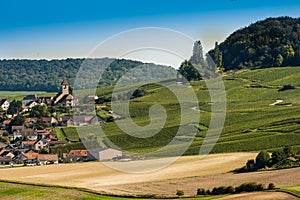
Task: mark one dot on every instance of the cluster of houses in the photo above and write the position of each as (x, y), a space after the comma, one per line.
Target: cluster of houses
(29, 143)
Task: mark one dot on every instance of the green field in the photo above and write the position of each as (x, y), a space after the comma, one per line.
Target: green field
(251, 122)
(292, 190)
(24, 191)
(19, 95)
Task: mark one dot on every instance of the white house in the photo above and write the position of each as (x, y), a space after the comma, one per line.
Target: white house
(4, 104)
(104, 153)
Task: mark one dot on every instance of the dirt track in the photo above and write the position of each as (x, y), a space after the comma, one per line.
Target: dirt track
(187, 173)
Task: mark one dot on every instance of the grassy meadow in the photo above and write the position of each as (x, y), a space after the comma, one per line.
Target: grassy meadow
(10, 190)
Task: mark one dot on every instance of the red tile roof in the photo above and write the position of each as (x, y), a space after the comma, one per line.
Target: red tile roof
(31, 155)
(81, 153)
(6, 122)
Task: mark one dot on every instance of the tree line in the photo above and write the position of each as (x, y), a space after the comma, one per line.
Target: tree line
(46, 75)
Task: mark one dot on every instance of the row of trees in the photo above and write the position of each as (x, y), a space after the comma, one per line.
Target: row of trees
(44, 75)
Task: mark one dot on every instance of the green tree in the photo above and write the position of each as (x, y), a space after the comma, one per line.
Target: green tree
(250, 165)
(288, 152)
(217, 56)
(262, 159)
(15, 107)
(197, 57)
(39, 111)
(17, 121)
(187, 70)
(279, 60)
(277, 156)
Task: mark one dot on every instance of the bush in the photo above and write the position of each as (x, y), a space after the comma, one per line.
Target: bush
(271, 186)
(262, 159)
(180, 193)
(219, 190)
(286, 87)
(201, 191)
(249, 187)
(230, 190)
(208, 192)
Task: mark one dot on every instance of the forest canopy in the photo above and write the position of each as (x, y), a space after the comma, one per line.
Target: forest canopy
(273, 42)
(46, 75)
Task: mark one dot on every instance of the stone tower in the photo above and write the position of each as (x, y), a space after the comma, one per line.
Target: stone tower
(65, 87)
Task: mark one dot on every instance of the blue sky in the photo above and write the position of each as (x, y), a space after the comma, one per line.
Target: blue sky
(61, 29)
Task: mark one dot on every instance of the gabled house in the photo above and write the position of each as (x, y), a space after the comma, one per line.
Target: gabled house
(49, 121)
(40, 144)
(4, 152)
(76, 156)
(65, 120)
(5, 161)
(28, 99)
(104, 154)
(45, 100)
(29, 133)
(16, 133)
(4, 104)
(30, 158)
(46, 159)
(30, 121)
(28, 144)
(31, 104)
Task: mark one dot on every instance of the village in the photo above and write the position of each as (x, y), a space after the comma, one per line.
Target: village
(27, 135)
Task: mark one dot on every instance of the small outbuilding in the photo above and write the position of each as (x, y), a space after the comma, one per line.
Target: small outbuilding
(104, 154)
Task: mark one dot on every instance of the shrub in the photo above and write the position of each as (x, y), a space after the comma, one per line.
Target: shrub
(180, 193)
(229, 190)
(262, 159)
(219, 190)
(208, 192)
(201, 191)
(249, 187)
(271, 186)
(286, 87)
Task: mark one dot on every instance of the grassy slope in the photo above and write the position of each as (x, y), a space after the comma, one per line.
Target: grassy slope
(292, 190)
(23, 191)
(251, 123)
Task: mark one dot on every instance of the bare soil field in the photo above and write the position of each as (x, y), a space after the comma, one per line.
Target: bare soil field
(187, 173)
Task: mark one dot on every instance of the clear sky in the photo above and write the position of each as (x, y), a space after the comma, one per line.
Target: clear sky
(60, 29)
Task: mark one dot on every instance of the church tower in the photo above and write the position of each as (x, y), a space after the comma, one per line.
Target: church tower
(65, 87)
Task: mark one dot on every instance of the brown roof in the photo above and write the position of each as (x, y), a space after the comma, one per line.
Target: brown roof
(48, 157)
(5, 159)
(65, 82)
(81, 153)
(69, 97)
(17, 127)
(28, 132)
(31, 155)
(6, 122)
(28, 142)
(42, 131)
(54, 142)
